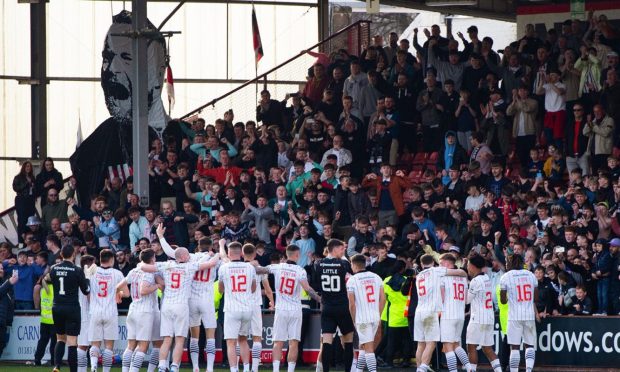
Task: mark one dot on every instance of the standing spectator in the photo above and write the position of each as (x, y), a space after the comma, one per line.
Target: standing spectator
(590, 82)
(601, 129)
(354, 84)
(107, 230)
(138, 228)
(315, 85)
(428, 104)
(29, 273)
(555, 107)
(306, 244)
(466, 121)
(577, 154)
(390, 189)
(259, 215)
(176, 224)
(269, 111)
(368, 96)
(480, 152)
(25, 198)
(600, 273)
(523, 109)
(6, 304)
(55, 208)
(48, 178)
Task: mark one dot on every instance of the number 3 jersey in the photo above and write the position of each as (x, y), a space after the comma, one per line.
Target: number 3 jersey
(366, 287)
(329, 279)
(519, 285)
(237, 278)
(455, 290)
(103, 291)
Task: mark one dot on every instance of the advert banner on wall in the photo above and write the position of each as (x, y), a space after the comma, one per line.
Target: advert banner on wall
(561, 341)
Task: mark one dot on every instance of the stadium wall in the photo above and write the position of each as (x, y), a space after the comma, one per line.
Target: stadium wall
(592, 342)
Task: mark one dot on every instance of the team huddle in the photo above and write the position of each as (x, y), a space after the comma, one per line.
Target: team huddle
(352, 300)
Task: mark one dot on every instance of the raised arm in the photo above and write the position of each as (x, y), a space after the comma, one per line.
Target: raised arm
(168, 250)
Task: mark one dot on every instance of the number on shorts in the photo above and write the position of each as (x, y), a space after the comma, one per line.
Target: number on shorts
(459, 291)
(287, 285)
(488, 302)
(202, 276)
(421, 288)
(330, 283)
(103, 289)
(176, 280)
(370, 294)
(61, 290)
(524, 292)
(239, 283)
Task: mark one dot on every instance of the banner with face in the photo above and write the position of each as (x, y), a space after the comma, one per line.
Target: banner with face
(117, 75)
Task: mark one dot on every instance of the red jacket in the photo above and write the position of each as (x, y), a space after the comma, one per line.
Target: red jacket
(396, 188)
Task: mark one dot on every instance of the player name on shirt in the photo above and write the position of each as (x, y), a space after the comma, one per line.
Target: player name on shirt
(68, 280)
(329, 279)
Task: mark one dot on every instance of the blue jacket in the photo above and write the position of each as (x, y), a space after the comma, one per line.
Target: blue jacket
(28, 276)
(603, 263)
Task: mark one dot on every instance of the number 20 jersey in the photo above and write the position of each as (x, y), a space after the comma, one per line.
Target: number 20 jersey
(329, 279)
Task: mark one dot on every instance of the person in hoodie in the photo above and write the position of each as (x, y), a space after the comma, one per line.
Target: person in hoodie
(451, 154)
(600, 270)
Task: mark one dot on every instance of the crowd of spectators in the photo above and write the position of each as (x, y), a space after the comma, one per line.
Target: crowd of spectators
(519, 150)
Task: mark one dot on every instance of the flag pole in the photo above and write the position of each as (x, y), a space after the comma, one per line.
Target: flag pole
(255, 61)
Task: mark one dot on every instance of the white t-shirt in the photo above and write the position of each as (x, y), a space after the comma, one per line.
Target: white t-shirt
(480, 296)
(178, 278)
(103, 291)
(287, 279)
(366, 287)
(428, 284)
(519, 285)
(237, 278)
(554, 102)
(455, 291)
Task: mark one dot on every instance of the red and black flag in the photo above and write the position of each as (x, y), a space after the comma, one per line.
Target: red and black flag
(258, 45)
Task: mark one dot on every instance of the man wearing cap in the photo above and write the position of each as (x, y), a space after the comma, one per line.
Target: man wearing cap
(34, 227)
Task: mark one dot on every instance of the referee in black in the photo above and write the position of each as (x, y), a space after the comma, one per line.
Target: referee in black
(67, 279)
(330, 280)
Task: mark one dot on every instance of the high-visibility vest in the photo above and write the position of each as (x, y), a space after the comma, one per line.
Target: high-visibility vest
(47, 300)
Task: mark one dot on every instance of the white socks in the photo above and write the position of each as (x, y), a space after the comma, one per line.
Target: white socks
(515, 359)
(210, 349)
(94, 357)
(193, 352)
(257, 347)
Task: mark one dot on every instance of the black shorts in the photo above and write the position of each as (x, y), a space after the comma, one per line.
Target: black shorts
(336, 317)
(67, 320)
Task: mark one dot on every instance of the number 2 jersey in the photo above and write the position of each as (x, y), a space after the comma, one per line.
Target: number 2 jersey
(366, 287)
(329, 279)
(480, 296)
(519, 285)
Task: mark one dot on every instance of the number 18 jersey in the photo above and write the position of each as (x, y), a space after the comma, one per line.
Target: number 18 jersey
(329, 279)
(455, 290)
(519, 285)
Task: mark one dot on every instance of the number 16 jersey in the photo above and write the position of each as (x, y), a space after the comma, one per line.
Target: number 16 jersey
(329, 279)
(519, 285)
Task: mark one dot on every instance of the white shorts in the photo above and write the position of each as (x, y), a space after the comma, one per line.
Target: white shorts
(174, 321)
(83, 336)
(426, 327)
(366, 332)
(256, 326)
(202, 309)
(480, 334)
(287, 325)
(103, 327)
(237, 324)
(518, 330)
(142, 326)
(451, 329)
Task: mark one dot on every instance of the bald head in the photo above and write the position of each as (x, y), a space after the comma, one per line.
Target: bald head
(181, 254)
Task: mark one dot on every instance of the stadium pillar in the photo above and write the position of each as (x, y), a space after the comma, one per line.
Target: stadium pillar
(38, 80)
(140, 109)
(323, 19)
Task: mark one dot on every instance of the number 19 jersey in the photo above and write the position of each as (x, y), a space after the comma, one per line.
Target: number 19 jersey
(287, 277)
(329, 279)
(519, 285)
